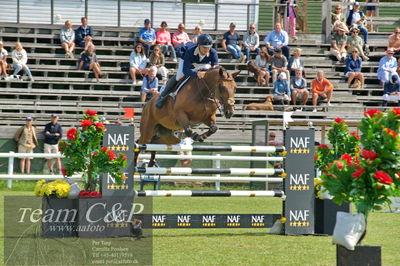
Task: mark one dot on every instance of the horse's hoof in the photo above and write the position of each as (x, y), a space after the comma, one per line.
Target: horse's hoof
(196, 137)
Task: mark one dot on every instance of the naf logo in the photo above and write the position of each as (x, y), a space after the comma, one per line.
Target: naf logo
(299, 179)
(117, 139)
(299, 142)
(208, 219)
(184, 218)
(233, 218)
(158, 218)
(257, 218)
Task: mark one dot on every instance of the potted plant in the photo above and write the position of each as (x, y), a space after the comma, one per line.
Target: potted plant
(366, 179)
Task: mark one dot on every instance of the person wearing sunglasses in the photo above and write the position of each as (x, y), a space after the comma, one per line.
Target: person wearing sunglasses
(163, 39)
(147, 36)
(180, 37)
(355, 19)
(251, 42)
(137, 63)
(394, 41)
(387, 66)
(353, 68)
(356, 42)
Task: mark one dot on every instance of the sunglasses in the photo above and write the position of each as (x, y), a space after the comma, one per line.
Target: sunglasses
(397, 32)
(355, 52)
(252, 27)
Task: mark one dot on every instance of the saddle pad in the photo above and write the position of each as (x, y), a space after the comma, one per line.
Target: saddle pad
(180, 86)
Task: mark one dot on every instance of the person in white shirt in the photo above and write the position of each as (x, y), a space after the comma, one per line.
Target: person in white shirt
(137, 63)
(3, 60)
(20, 58)
(67, 38)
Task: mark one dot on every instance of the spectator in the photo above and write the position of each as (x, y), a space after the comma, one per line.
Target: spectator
(353, 68)
(296, 63)
(251, 42)
(279, 64)
(157, 60)
(391, 91)
(52, 135)
(337, 18)
(147, 36)
(291, 18)
(150, 84)
(163, 38)
(89, 61)
(338, 44)
(20, 58)
(371, 12)
(187, 142)
(27, 141)
(394, 41)
(84, 34)
(321, 87)
(3, 60)
(197, 32)
(355, 42)
(356, 17)
(347, 6)
(281, 89)
(387, 67)
(67, 38)
(137, 63)
(277, 38)
(263, 61)
(231, 42)
(180, 37)
(281, 10)
(298, 86)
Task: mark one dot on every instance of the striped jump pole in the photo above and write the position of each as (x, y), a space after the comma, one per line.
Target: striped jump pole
(216, 178)
(211, 157)
(206, 193)
(231, 171)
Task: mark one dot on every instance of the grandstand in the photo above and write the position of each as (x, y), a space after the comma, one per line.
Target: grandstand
(60, 88)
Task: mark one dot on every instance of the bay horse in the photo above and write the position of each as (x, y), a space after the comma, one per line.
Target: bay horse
(196, 103)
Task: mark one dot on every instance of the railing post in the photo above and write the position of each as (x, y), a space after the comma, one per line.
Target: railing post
(326, 19)
(10, 169)
(216, 16)
(86, 8)
(52, 12)
(218, 165)
(184, 13)
(248, 16)
(18, 11)
(119, 13)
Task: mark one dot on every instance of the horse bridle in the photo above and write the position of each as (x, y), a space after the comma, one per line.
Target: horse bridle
(212, 95)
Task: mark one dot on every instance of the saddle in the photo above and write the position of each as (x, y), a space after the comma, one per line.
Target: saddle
(181, 83)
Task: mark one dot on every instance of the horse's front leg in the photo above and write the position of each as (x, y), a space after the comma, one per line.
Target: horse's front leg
(212, 124)
(183, 120)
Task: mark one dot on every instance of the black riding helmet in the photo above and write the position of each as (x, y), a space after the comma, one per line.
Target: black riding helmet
(205, 40)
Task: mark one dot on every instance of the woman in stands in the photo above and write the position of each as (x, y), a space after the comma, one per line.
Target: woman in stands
(67, 38)
(197, 32)
(89, 61)
(370, 11)
(20, 58)
(163, 38)
(353, 68)
(356, 42)
(3, 60)
(296, 63)
(263, 61)
(137, 63)
(157, 60)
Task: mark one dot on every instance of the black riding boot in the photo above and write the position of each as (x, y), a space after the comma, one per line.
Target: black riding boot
(169, 87)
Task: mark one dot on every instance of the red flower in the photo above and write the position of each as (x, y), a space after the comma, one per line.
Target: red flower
(111, 155)
(339, 165)
(358, 173)
(99, 127)
(371, 113)
(339, 120)
(315, 157)
(371, 155)
(83, 194)
(323, 146)
(71, 134)
(390, 132)
(95, 154)
(347, 158)
(86, 123)
(64, 172)
(355, 135)
(383, 177)
(104, 149)
(91, 112)
(94, 194)
(396, 111)
(124, 158)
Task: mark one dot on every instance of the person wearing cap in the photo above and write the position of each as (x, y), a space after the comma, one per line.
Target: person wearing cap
(147, 36)
(391, 91)
(355, 42)
(354, 18)
(3, 60)
(279, 64)
(321, 87)
(27, 141)
(277, 38)
(298, 87)
(251, 42)
(387, 66)
(84, 34)
(200, 55)
(150, 84)
(338, 44)
(394, 41)
(52, 135)
(180, 37)
(353, 68)
(231, 42)
(282, 89)
(163, 38)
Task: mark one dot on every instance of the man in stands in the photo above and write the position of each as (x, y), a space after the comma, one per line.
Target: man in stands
(355, 17)
(232, 42)
(279, 64)
(251, 42)
(321, 87)
(277, 38)
(180, 37)
(52, 135)
(147, 36)
(338, 44)
(298, 86)
(84, 34)
(387, 66)
(394, 41)
(3, 60)
(201, 55)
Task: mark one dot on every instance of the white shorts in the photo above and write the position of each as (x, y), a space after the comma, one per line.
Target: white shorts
(51, 148)
(391, 98)
(23, 149)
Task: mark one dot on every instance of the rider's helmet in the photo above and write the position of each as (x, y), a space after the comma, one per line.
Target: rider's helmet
(205, 40)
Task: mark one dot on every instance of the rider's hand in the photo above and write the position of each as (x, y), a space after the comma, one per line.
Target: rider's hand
(201, 74)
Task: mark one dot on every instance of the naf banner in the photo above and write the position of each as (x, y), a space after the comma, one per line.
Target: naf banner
(299, 182)
(119, 139)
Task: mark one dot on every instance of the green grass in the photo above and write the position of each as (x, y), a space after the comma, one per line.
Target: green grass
(244, 246)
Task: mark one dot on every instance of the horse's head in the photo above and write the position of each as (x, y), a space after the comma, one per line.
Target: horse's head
(226, 91)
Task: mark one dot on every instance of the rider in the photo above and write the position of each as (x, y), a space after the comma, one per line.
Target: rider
(200, 55)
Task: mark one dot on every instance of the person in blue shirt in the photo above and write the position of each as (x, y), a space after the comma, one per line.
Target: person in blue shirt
(147, 36)
(84, 34)
(150, 85)
(353, 68)
(231, 42)
(277, 38)
(282, 89)
(199, 55)
(391, 90)
(52, 136)
(387, 66)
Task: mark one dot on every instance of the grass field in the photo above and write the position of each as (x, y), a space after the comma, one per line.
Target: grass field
(245, 246)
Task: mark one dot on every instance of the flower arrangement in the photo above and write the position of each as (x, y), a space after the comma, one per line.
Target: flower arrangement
(370, 175)
(58, 188)
(84, 153)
